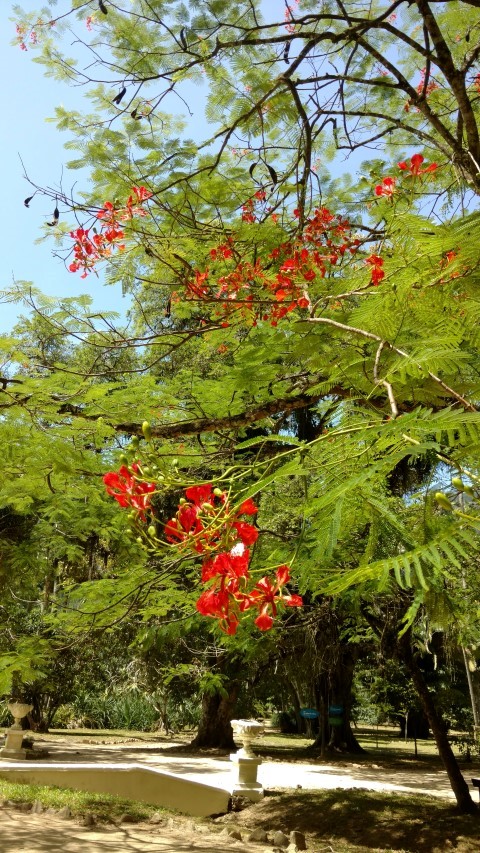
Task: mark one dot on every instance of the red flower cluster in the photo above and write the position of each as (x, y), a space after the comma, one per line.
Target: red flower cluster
(255, 291)
(377, 272)
(205, 523)
(225, 250)
(30, 34)
(129, 489)
(88, 250)
(225, 600)
(430, 87)
(414, 168)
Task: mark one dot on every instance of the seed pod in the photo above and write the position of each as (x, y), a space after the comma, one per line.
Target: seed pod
(147, 431)
(457, 483)
(120, 95)
(183, 39)
(286, 52)
(273, 174)
(152, 530)
(252, 169)
(443, 501)
(102, 7)
(28, 200)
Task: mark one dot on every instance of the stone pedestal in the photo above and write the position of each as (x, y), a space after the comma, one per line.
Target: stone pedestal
(245, 783)
(13, 745)
(14, 735)
(245, 761)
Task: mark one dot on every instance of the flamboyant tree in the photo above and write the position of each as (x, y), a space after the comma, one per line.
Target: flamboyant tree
(264, 290)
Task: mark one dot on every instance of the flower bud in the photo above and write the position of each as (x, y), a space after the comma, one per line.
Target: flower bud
(152, 530)
(147, 431)
(457, 483)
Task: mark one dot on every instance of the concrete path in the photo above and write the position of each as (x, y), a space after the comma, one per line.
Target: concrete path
(272, 774)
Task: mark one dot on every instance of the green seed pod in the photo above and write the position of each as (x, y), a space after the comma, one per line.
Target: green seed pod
(218, 493)
(147, 431)
(457, 483)
(443, 501)
(152, 530)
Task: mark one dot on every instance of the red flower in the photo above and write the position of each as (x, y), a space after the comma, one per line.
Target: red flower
(199, 494)
(217, 602)
(247, 508)
(247, 533)
(415, 164)
(128, 491)
(185, 525)
(386, 188)
(267, 595)
(142, 193)
(227, 565)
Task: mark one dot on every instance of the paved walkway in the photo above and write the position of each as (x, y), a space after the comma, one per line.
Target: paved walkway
(272, 774)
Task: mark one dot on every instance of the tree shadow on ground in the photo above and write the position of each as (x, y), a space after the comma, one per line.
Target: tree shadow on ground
(368, 821)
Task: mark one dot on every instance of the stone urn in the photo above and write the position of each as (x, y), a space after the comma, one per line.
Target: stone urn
(18, 710)
(14, 735)
(245, 762)
(246, 731)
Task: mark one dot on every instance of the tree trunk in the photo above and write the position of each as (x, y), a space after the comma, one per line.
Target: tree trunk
(473, 678)
(215, 730)
(334, 688)
(437, 725)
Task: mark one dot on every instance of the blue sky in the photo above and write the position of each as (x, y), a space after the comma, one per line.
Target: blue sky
(27, 98)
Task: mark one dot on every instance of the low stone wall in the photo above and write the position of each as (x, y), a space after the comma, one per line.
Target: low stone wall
(132, 781)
